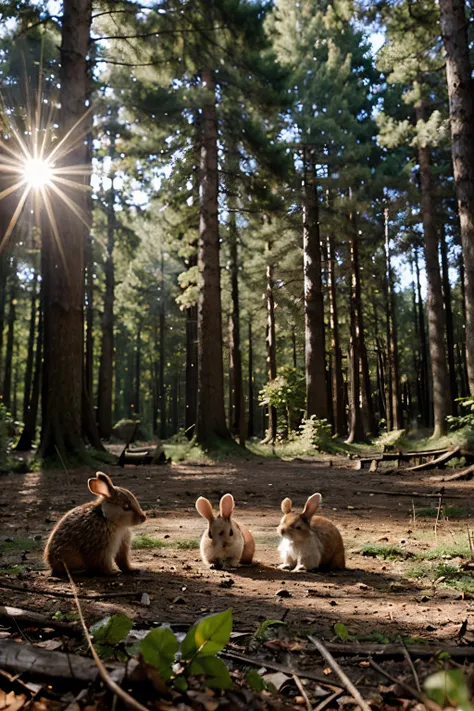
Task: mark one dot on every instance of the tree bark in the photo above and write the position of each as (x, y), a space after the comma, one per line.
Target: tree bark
(436, 319)
(28, 434)
(392, 340)
(161, 367)
(31, 347)
(236, 356)
(210, 407)
(454, 28)
(3, 298)
(448, 310)
(63, 256)
(106, 367)
(340, 423)
(271, 343)
(138, 369)
(315, 352)
(250, 384)
(356, 426)
(425, 406)
(11, 319)
(191, 371)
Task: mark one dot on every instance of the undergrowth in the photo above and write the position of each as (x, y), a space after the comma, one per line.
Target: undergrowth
(144, 541)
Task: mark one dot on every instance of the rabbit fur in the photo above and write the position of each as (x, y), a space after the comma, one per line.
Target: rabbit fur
(225, 542)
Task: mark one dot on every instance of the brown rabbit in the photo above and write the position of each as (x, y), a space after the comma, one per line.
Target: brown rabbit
(309, 541)
(92, 536)
(225, 542)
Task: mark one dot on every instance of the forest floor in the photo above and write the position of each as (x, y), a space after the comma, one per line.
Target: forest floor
(402, 578)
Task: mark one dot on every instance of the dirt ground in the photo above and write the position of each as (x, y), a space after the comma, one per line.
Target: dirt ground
(372, 595)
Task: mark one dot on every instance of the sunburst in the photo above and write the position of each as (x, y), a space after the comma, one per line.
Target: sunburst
(35, 162)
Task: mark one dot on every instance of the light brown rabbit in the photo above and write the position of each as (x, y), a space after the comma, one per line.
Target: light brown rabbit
(92, 536)
(309, 541)
(225, 542)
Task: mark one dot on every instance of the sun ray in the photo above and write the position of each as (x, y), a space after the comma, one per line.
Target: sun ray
(52, 155)
(14, 219)
(70, 203)
(54, 228)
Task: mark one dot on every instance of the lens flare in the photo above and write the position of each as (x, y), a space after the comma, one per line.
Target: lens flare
(38, 173)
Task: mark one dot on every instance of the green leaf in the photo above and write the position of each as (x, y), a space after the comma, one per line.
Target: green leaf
(449, 688)
(341, 630)
(260, 633)
(159, 649)
(105, 651)
(254, 680)
(180, 684)
(213, 669)
(209, 636)
(111, 630)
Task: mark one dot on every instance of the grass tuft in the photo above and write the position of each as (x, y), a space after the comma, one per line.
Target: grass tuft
(19, 544)
(144, 541)
(387, 552)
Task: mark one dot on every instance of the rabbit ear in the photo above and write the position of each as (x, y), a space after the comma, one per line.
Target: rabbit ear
(101, 486)
(205, 509)
(312, 506)
(226, 505)
(286, 505)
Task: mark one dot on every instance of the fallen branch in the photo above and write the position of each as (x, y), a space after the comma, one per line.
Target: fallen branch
(435, 463)
(302, 673)
(464, 474)
(397, 650)
(29, 617)
(82, 596)
(342, 676)
(328, 700)
(18, 658)
(416, 494)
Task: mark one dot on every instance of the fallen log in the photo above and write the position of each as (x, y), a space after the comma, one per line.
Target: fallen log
(438, 462)
(413, 494)
(19, 658)
(397, 650)
(464, 474)
(83, 596)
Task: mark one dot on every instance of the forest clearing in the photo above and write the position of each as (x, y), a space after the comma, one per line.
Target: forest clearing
(236, 355)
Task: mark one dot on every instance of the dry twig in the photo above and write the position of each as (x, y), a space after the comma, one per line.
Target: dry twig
(128, 700)
(302, 691)
(430, 705)
(342, 676)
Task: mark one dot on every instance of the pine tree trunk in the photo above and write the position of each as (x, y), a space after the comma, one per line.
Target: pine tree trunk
(236, 356)
(11, 319)
(3, 298)
(174, 404)
(448, 310)
(210, 407)
(339, 413)
(392, 340)
(28, 434)
(138, 369)
(315, 352)
(465, 375)
(191, 371)
(356, 427)
(366, 388)
(89, 309)
(106, 367)
(161, 372)
(63, 266)
(454, 28)
(251, 396)
(271, 344)
(425, 407)
(436, 319)
(31, 348)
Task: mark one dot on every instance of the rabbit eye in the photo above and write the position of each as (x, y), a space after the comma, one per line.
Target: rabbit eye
(231, 532)
(221, 533)
(126, 507)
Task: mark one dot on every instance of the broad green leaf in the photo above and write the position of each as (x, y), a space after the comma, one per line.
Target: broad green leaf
(180, 683)
(209, 636)
(159, 649)
(254, 680)
(449, 688)
(111, 630)
(105, 651)
(341, 630)
(213, 669)
(260, 633)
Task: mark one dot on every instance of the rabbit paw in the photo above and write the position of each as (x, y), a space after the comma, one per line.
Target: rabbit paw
(284, 566)
(300, 568)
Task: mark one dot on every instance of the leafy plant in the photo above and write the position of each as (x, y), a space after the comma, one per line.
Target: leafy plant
(449, 688)
(260, 634)
(286, 393)
(161, 649)
(466, 420)
(316, 433)
(258, 683)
